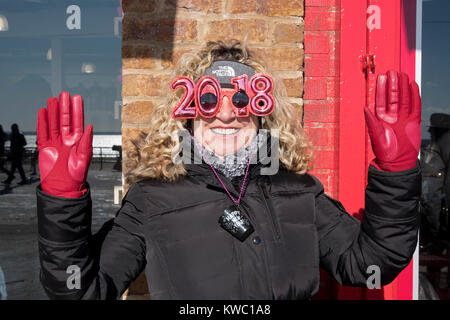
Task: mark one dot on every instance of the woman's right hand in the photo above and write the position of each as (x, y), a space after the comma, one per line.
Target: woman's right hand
(65, 151)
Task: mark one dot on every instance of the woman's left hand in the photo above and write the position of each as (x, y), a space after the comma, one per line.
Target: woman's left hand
(394, 129)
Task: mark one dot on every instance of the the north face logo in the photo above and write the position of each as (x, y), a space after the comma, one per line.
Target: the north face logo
(224, 71)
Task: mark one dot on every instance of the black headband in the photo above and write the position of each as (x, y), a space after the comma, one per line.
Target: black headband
(225, 70)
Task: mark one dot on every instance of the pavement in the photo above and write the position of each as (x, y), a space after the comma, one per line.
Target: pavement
(19, 256)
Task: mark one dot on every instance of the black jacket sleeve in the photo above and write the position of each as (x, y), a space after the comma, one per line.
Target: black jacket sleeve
(387, 236)
(107, 261)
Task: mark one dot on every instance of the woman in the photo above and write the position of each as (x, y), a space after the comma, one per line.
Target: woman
(175, 223)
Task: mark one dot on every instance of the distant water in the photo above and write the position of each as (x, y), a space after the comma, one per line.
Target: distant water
(100, 141)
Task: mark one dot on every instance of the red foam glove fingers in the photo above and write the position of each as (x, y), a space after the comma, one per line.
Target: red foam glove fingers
(394, 129)
(65, 151)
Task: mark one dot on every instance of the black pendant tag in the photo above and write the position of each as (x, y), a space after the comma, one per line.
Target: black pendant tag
(236, 223)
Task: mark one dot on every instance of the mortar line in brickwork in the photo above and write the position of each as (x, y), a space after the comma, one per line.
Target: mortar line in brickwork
(281, 45)
(202, 28)
(226, 6)
(227, 14)
(132, 99)
(126, 125)
(284, 20)
(156, 43)
(139, 15)
(186, 14)
(138, 44)
(288, 74)
(194, 44)
(295, 100)
(153, 71)
(208, 17)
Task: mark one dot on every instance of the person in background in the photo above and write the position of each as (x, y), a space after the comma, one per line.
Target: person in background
(3, 138)
(435, 164)
(18, 143)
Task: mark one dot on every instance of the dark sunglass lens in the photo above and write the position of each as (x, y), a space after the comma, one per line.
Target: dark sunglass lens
(208, 100)
(240, 99)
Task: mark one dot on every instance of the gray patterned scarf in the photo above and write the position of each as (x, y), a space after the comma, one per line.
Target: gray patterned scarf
(234, 165)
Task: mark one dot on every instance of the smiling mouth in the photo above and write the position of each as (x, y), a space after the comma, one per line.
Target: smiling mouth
(225, 131)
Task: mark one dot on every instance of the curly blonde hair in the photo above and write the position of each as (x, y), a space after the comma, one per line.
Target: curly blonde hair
(151, 156)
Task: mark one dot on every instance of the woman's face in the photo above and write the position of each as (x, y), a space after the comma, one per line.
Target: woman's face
(225, 133)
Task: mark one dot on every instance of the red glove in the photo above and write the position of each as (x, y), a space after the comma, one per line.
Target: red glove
(64, 151)
(395, 130)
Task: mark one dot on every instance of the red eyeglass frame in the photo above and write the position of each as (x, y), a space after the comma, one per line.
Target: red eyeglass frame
(258, 88)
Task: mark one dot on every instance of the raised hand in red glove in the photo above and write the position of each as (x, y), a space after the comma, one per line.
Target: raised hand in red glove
(394, 129)
(65, 152)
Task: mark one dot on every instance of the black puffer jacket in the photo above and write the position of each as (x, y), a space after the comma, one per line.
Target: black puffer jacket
(171, 230)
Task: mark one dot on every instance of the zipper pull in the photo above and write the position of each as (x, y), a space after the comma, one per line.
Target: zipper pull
(266, 193)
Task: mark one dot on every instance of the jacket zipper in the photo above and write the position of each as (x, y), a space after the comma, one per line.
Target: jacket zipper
(269, 207)
(266, 267)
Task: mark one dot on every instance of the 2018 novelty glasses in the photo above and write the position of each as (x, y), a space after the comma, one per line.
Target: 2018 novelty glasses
(205, 97)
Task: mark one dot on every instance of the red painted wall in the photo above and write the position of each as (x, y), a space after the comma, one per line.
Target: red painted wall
(336, 89)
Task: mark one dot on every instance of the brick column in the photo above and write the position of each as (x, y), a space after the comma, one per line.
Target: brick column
(321, 100)
(157, 33)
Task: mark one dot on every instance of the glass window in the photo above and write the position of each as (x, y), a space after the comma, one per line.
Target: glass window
(434, 236)
(435, 61)
(49, 46)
